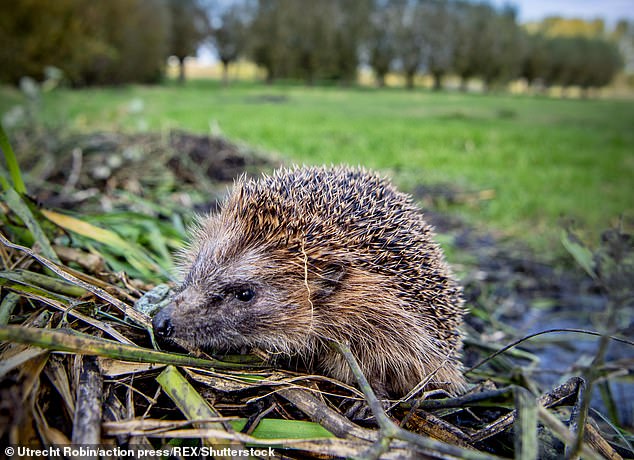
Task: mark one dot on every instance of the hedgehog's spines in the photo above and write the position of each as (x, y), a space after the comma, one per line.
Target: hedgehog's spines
(363, 254)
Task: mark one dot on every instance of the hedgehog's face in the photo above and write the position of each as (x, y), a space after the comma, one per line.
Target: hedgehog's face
(241, 301)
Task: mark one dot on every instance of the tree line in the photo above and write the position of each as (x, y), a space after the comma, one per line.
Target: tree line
(330, 39)
(128, 40)
(98, 42)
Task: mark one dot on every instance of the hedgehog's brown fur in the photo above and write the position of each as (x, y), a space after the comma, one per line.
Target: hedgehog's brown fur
(328, 253)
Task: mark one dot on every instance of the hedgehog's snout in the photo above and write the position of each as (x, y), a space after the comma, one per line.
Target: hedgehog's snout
(162, 323)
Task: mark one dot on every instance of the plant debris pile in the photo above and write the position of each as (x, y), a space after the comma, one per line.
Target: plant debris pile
(99, 172)
(78, 362)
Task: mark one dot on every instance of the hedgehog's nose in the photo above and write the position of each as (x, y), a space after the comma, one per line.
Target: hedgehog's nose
(162, 324)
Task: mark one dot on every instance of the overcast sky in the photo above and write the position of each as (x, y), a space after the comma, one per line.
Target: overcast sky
(610, 10)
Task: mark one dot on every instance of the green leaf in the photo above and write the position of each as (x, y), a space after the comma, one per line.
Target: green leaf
(285, 429)
(12, 164)
(581, 254)
(47, 282)
(526, 426)
(132, 253)
(20, 208)
(6, 307)
(195, 407)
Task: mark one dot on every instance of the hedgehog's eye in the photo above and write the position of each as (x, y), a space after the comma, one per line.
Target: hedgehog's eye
(244, 295)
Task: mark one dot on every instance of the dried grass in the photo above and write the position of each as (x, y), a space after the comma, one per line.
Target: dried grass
(78, 364)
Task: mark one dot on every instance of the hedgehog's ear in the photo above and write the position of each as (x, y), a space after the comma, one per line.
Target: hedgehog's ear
(329, 279)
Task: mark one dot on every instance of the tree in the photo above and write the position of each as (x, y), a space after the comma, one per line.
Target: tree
(572, 61)
(91, 42)
(605, 61)
(39, 33)
(472, 38)
(350, 29)
(536, 62)
(565, 61)
(138, 33)
(594, 63)
(555, 26)
(439, 27)
(502, 59)
(490, 44)
(267, 35)
(189, 27)
(623, 36)
(308, 40)
(381, 41)
(410, 38)
(312, 39)
(230, 37)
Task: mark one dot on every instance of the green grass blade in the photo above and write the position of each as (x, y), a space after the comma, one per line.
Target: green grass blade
(285, 429)
(4, 183)
(189, 401)
(7, 306)
(526, 447)
(20, 287)
(581, 254)
(60, 302)
(19, 207)
(47, 282)
(66, 273)
(12, 163)
(133, 254)
(84, 344)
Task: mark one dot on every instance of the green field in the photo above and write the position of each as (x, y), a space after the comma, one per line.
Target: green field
(544, 159)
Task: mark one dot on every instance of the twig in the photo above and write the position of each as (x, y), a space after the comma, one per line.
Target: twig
(326, 417)
(562, 432)
(87, 419)
(427, 424)
(626, 443)
(579, 417)
(549, 331)
(389, 430)
(550, 399)
(75, 171)
(483, 398)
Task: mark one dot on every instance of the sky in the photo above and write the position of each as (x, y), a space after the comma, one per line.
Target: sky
(610, 10)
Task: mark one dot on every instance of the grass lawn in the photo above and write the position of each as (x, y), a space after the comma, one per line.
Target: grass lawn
(544, 159)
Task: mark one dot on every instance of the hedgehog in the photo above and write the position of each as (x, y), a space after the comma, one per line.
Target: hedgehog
(309, 255)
